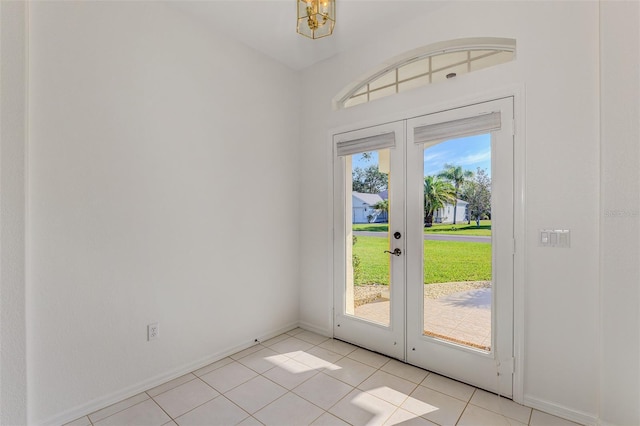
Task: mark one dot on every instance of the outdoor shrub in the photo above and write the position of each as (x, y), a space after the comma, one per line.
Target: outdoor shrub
(357, 269)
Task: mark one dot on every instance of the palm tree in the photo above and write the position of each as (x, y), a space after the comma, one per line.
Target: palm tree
(457, 176)
(436, 193)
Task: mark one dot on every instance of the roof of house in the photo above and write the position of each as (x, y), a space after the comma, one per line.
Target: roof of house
(370, 199)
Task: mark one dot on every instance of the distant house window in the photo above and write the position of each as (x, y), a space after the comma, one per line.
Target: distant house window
(428, 65)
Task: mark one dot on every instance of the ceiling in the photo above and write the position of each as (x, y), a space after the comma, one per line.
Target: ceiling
(269, 26)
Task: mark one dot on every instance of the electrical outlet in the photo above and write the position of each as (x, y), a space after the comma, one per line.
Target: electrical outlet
(153, 331)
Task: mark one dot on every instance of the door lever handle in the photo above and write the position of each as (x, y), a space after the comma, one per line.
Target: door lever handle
(396, 252)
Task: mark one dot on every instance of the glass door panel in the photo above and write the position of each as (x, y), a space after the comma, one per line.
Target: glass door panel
(368, 258)
(368, 283)
(457, 241)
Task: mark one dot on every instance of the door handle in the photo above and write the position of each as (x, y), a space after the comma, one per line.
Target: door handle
(396, 252)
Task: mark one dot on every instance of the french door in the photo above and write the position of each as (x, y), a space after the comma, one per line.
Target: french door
(423, 242)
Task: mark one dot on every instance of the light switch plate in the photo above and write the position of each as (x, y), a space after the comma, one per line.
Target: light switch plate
(559, 238)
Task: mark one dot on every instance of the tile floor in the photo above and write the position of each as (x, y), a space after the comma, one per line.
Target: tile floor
(301, 378)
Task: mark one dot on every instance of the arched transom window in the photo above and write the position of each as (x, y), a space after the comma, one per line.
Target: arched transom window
(428, 65)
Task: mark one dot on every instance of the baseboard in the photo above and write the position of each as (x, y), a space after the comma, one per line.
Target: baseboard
(318, 330)
(105, 401)
(561, 411)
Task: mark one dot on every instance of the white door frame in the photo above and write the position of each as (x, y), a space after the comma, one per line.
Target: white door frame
(347, 121)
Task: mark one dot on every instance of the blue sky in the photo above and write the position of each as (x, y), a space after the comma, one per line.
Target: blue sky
(469, 152)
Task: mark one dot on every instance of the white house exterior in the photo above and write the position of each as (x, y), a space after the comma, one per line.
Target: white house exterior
(445, 214)
(363, 210)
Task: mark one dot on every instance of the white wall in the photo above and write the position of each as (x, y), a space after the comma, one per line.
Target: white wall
(152, 139)
(13, 134)
(557, 70)
(135, 163)
(620, 213)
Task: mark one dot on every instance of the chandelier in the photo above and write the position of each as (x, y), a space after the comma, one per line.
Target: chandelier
(316, 18)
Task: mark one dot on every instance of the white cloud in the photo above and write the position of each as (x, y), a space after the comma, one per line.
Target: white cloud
(474, 158)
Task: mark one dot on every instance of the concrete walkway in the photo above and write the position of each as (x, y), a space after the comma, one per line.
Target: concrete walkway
(460, 317)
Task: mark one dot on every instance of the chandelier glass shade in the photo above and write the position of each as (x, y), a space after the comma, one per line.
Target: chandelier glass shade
(316, 18)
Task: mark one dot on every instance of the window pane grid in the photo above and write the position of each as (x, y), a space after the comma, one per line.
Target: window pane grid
(379, 86)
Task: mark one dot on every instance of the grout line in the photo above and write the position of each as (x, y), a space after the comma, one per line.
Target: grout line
(159, 406)
(317, 370)
(120, 411)
(466, 405)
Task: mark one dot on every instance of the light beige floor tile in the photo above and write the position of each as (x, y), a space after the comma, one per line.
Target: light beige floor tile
(250, 421)
(248, 351)
(291, 346)
(500, 405)
(338, 346)
(117, 407)
(219, 411)
(322, 390)
(538, 418)
(228, 377)
(255, 394)
(170, 384)
(262, 360)
(476, 416)
(213, 366)
(290, 373)
(146, 413)
(313, 338)
(434, 406)
(370, 358)
(274, 340)
(289, 410)
(388, 387)
(405, 418)
(171, 423)
(295, 331)
(319, 358)
(351, 372)
(82, 421)
(185, 397)
(328, 419)
(405, 371)
(448, 386)
(361, 408)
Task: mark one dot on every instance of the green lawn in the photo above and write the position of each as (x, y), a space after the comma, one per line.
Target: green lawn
(445, 261)
(458, 229)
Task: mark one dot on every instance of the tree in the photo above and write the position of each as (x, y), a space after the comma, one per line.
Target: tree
(477, 193)
(436, 193)
(457, 176)
(383, 207)
(369, 180)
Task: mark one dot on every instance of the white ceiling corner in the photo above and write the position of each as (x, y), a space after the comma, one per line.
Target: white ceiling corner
(269, 26)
